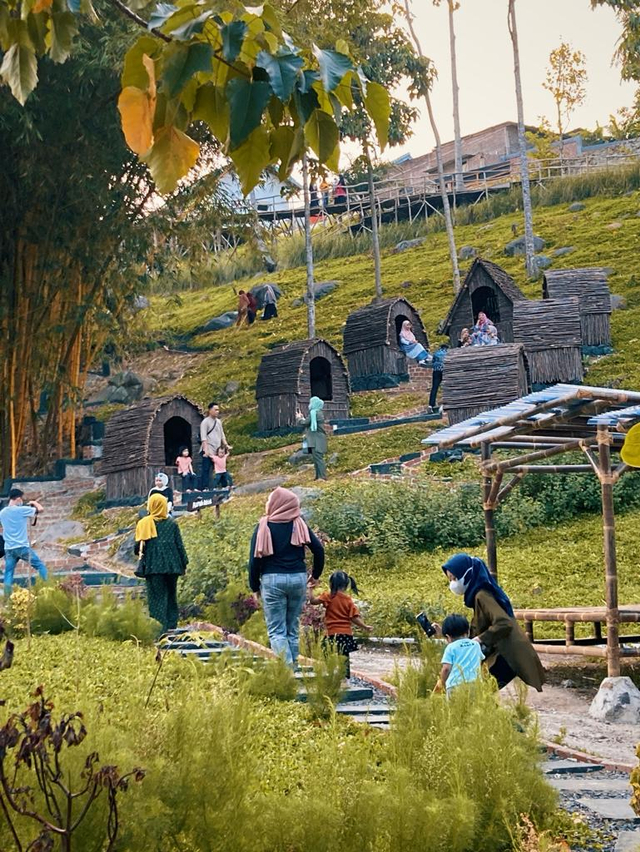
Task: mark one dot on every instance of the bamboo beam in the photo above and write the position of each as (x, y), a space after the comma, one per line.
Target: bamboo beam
(508, 488)
(619, 470)
(593, 461)
(552, 468)
(576, 444)
(610, 566)
(580, 650)
(489, 520)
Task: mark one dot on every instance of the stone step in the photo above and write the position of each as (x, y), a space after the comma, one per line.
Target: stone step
(570, 767)
(352, 693)
(573, 784)
(612, 809)
(192, 646)
(628, 841)
(375, 720)
(364, 709)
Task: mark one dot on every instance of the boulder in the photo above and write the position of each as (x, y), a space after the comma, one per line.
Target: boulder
(617, 700)
(542, 261)
(320, 290)
(613, 226)
(406, 284)
(564, 250)
(61, 530)
(403, 245)
(225, 320)
(119, 395)
(467, 253)
(261, 486)
(259, 290)
(140, 303)
(299, 457)
(130, 379)
(231, 388)
(618, 303)
(576, 207)
(516, 247)
(125, 553)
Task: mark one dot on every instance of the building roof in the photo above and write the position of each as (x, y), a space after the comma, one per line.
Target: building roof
(552, 415)
(280, 370)
(588, 283)
(499, 277)
(372, 325)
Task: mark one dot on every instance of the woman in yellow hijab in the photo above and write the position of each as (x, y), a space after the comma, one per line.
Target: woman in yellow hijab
(163, 559)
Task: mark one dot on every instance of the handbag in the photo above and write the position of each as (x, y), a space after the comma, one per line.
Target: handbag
(305, 445)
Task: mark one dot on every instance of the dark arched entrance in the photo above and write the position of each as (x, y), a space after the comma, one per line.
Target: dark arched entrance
(399, 320)
(485, 299)
(320, 374)
(177, 434)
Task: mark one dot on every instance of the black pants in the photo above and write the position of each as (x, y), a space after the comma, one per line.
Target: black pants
(343, 644)
(222, 480)
(502, 672)
(437, 381)
(189, 481)
(205, 473)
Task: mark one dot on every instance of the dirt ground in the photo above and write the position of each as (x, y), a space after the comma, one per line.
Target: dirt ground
(563, 711)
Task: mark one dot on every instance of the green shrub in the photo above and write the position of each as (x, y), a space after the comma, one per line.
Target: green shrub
(53, 611)
(272, 679)
(107, 618)
(324, 683)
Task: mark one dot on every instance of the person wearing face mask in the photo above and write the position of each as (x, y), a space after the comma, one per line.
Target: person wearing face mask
(508, 652)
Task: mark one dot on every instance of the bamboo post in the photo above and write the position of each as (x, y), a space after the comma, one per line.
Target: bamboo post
(609, 536)
(489, 520)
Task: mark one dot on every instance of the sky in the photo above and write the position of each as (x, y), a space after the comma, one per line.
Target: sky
(485, 64)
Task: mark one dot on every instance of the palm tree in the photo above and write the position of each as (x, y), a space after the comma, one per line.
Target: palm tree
(311, 296)
(425, 91)
(453, 6)
(530, 260)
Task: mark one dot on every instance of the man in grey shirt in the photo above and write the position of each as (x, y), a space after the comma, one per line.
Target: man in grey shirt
(212, 437)
(14, 519)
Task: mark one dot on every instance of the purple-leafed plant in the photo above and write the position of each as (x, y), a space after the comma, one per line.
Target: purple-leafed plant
(35, 784)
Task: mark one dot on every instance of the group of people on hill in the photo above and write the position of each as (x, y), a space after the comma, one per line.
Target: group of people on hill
(412, 348)
(248, 306)
(483, 333)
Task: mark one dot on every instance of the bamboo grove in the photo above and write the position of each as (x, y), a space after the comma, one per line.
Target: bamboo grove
(71, 241)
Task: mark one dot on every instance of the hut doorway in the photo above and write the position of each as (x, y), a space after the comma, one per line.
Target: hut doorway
(320, 374)
(485, 299)
(177, 434)
(399, 320)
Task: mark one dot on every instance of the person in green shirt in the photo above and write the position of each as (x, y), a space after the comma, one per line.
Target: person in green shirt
(163, 559)
(315, 436)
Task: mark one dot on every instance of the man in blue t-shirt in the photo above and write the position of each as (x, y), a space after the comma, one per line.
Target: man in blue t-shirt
(462, 658)
(14, 519)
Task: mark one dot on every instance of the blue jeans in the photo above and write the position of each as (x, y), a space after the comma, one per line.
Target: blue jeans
(222, 480)
(283, 596)
(12, 557)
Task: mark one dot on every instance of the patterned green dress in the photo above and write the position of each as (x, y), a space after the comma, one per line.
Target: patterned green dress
(162, 561)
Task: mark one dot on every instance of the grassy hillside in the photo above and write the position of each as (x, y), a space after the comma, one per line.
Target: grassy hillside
(234, 355)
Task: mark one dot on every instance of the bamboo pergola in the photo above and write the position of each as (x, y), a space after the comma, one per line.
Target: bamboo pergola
(540, 426)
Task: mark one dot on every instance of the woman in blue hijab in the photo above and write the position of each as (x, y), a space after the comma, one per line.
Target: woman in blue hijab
(315, 436)
(508, 652)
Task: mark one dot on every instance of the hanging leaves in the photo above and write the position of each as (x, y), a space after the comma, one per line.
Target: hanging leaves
(378, 104)
(137, 108)
(19, 70)
(322, 134)
(251, 158)
(172, 156)
(282, 70)
(247, 101)
(333, 67)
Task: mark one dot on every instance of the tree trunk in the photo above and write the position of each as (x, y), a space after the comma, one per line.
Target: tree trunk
(457, 143)
(311, 298)
(375, 237)
(446, 207)
(532, 270)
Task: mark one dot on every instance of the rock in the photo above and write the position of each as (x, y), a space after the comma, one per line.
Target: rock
(564, 250)
(618, 303)
(613, 226)
(613, 809)
(320, 290)
(576, 207)
(403, 245)
(130, 379)
(515, 248)
(125, 553)
(259, 290)
(467, 253)
(260, 487)
(140, 303)
(542, 261)
(628, 841)
(225, 320)
(231, 388)
(299, 457)
(118, 394)
(568, 684)
(406, 284)
(60, 530)
(617, 700)
(333, 458)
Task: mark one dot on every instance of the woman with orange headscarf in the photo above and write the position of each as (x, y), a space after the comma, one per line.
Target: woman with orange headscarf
(162, 560)
(277, 569)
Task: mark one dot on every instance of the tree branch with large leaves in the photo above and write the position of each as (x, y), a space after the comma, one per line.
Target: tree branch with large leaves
(264, 98)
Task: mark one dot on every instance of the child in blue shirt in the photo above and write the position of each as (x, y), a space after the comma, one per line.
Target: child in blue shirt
(463, 657)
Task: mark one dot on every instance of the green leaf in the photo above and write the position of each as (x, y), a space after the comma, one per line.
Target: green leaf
(212, 107)
(270, 19)
(333, 67)
(172, 156)
(4, 30)
(19, 70)
(247, 102)
(378, 104)
(276, 111)
(183, 63)
(307, 80)
(134, 72)
(251, 158)
(232, 38)
(283, 72)
(322, 134)
(63, 27)
(160, 15)
(306, 104)
(192, 27)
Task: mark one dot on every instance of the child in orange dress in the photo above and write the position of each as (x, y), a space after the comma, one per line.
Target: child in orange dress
(339, 616)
